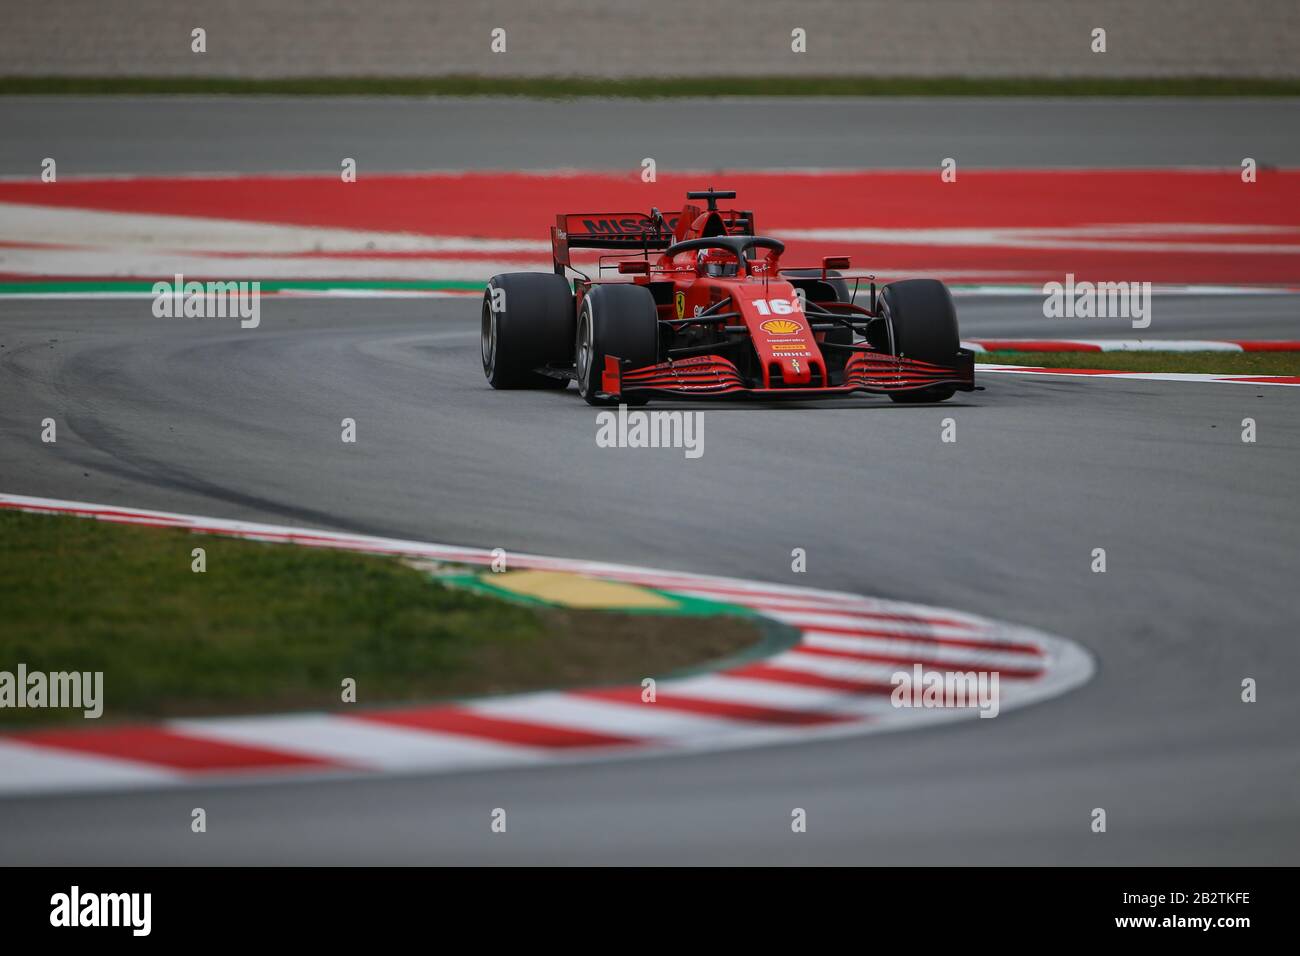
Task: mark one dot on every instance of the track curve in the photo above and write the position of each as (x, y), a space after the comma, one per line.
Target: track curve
(833, 678)
(1199, 528)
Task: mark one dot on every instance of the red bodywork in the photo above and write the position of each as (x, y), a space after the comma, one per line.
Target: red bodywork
(788, 333)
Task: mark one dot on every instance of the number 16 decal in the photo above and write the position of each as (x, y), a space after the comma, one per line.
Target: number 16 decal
(776, 306)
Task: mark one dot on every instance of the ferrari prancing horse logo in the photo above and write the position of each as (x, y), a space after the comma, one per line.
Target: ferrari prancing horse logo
(681, 305)
(781, 327)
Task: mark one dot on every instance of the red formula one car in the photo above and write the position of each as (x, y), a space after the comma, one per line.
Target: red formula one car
(709, 310)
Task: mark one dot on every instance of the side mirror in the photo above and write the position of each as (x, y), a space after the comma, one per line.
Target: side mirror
(634, 267)
(834, 262)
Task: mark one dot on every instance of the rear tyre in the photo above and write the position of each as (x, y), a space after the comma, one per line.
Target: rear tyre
(617, 320)
(532, 327)
(924, 323)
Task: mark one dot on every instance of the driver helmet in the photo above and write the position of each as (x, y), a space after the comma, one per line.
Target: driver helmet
(715, 262)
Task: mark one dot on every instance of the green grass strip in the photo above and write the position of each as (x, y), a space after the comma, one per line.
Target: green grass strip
(276, 627)
(1208, 363)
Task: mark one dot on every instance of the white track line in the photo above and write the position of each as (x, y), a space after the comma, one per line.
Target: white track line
(1185, 377)
(358, 743)
(1130, 345)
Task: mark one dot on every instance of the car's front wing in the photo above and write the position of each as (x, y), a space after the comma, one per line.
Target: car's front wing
(705, 376)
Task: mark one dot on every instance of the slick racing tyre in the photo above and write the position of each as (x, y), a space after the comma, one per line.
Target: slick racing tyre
(528, 323)
(924, 322)
(617, 320)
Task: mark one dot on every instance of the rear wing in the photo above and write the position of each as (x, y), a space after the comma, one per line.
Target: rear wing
(630, 232)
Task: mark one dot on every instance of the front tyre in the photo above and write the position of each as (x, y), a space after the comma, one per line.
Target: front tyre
(924, 323)
(619, 321)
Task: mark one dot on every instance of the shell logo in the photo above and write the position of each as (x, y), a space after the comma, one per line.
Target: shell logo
(781, 327)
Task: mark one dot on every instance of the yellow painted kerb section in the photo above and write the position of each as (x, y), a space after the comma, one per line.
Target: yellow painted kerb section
(572, 590)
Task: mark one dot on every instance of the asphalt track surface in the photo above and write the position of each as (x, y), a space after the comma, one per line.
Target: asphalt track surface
(1200, 531)
(97, 135)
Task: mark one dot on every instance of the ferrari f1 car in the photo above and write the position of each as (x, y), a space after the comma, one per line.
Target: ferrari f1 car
(710, 310)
